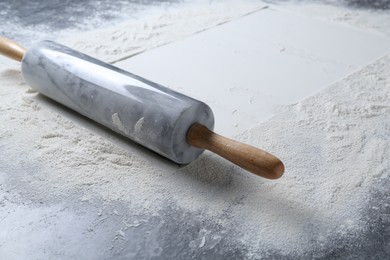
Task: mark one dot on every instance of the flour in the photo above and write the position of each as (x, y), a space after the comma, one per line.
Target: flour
(375, 21)
(138, 126)
(116, 120)
(335, 146)
(52, 138)
(134, 36)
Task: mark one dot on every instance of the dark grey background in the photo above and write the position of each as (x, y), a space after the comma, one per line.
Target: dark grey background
(20, 18)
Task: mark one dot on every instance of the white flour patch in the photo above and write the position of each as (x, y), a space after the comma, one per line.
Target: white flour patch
(138, 126)
(116, 120)
(335, 146)
(157, 28)
(65, 147)
(364, 19)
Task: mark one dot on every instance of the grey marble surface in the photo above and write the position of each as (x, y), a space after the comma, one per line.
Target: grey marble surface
(30, 21)
(34, 19)
(146, 112)
(67, 228)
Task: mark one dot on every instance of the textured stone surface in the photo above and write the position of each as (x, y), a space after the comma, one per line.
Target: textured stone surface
(67, 225)
(148, 113)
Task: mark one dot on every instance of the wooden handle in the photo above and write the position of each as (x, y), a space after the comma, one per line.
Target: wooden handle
(11, 49)
(247, 157)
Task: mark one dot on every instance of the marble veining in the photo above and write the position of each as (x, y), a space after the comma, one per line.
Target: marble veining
(146, 112)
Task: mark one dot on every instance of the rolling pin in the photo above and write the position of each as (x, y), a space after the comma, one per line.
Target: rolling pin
(171, 124)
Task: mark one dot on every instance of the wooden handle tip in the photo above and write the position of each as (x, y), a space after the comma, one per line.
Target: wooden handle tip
(11, 49)
(245, 156)
(277, 171)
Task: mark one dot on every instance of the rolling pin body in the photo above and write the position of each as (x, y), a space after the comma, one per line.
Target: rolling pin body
(146, 112)
(171, 124)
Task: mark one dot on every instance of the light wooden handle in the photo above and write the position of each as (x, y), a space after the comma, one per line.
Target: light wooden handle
(247, 157)
(11, 49)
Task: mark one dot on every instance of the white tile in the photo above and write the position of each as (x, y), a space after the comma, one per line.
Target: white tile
(246, 68)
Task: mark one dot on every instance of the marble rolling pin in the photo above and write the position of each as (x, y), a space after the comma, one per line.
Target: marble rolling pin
(174, 125)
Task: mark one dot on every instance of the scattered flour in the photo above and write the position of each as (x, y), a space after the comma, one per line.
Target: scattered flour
(118, 122)
(335, 145)
(134, 36)
(365, 19)
(138, 126)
